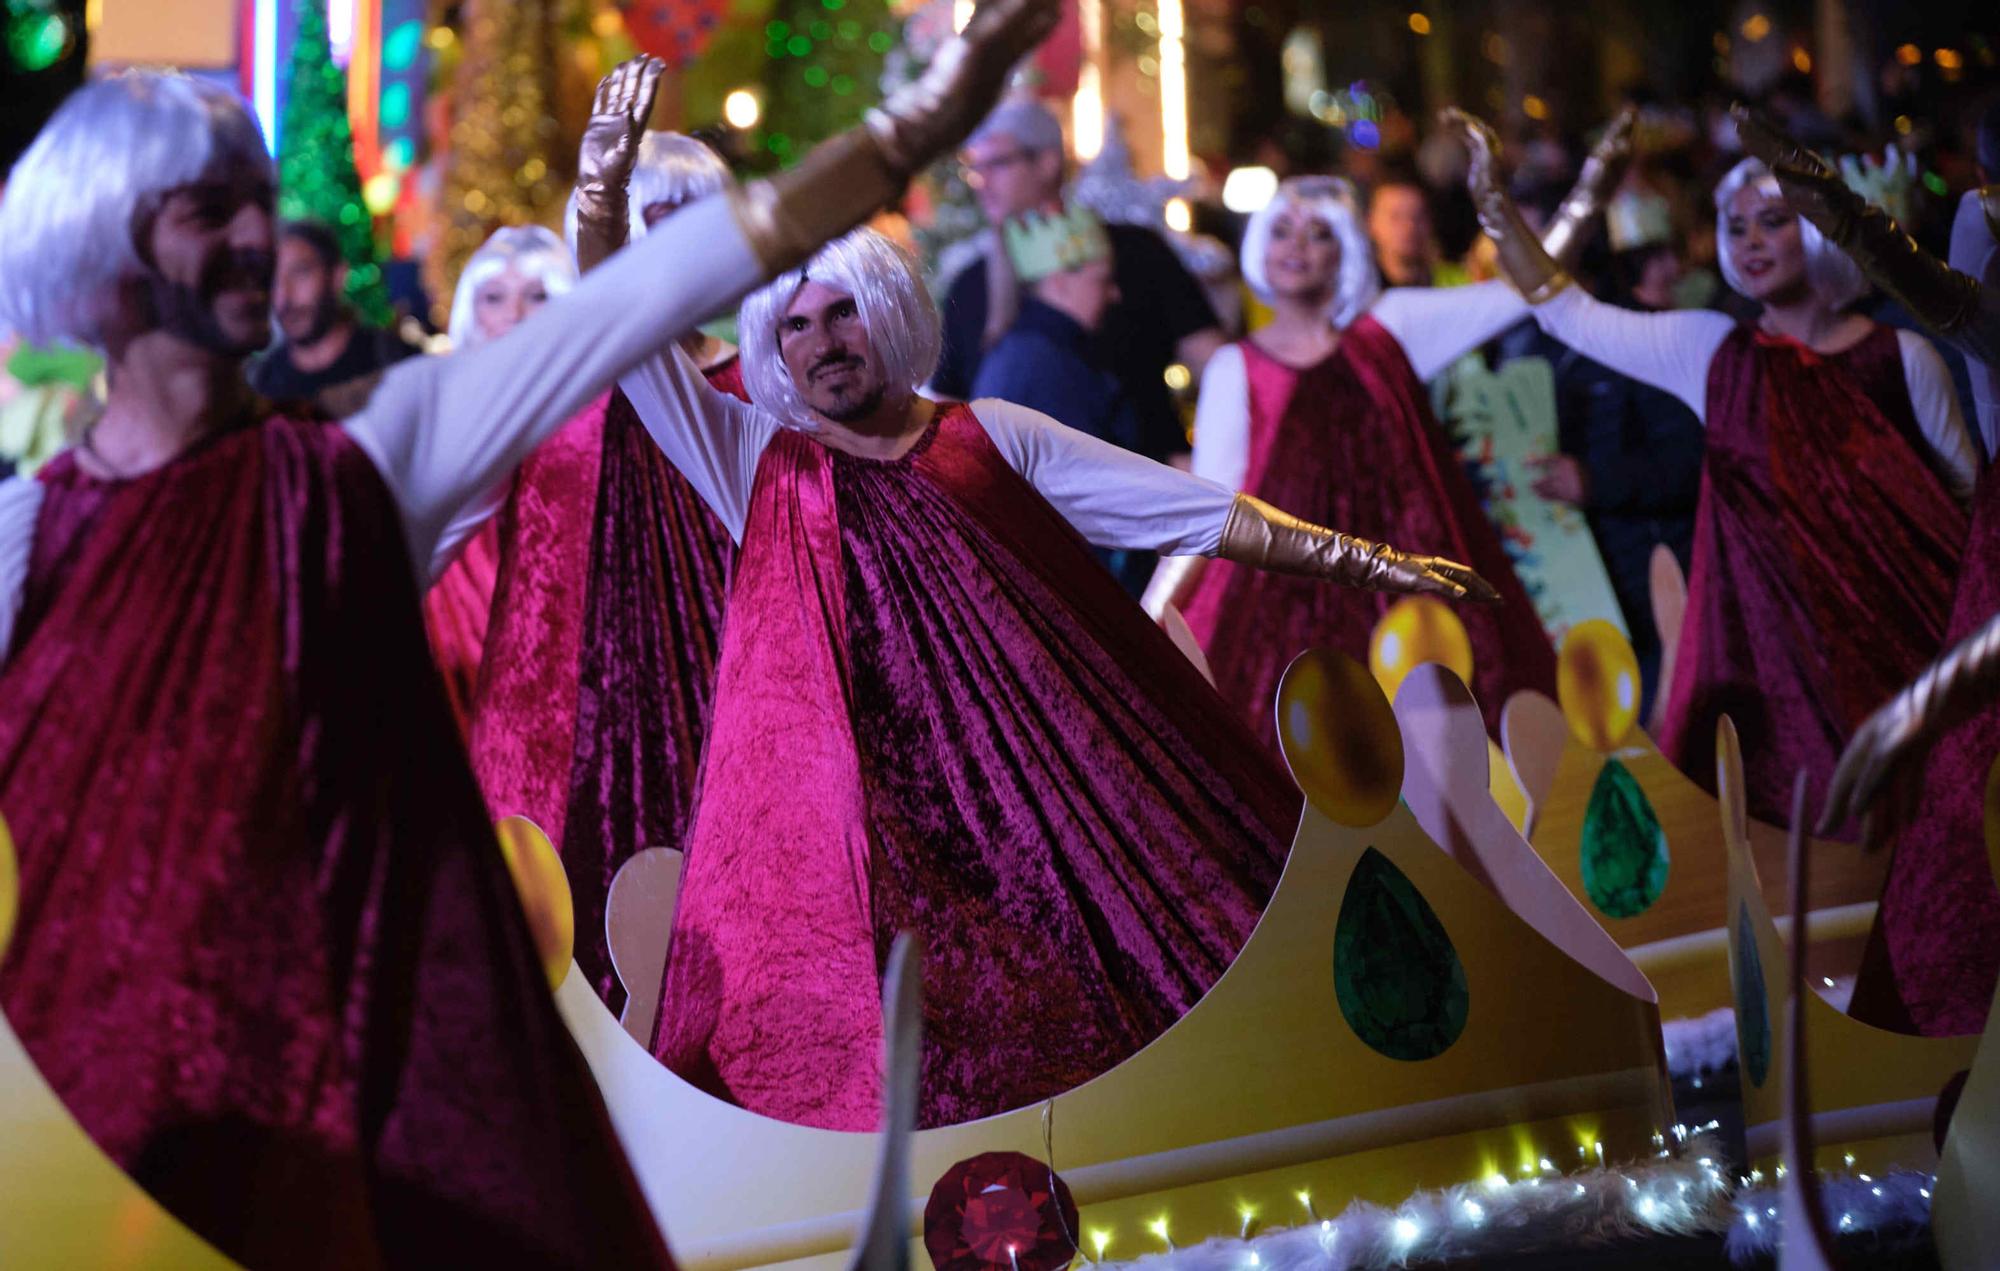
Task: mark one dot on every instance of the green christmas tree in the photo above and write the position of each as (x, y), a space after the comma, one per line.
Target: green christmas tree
(316, 176)
(825, 69)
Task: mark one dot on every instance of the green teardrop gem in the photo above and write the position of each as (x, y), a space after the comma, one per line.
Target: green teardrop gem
(1624, 849)
(1400, 984)
(1753, 1010)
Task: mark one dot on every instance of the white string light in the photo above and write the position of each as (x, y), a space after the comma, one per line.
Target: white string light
(1174, 158)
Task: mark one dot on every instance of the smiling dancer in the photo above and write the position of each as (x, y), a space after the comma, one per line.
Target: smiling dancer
(268, 953)
(1831, 522)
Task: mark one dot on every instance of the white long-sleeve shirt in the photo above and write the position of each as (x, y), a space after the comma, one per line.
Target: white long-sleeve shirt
(1974, 252)
(445, 431)
(1113, 497)
(1435, 326)
(1672, 351)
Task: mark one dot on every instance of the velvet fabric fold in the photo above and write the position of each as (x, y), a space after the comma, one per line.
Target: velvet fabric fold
(456, 612)
(268, 952)
(1351, 443)
(935, 712)
(606, 633)
(1825, 553)
(1936, 948)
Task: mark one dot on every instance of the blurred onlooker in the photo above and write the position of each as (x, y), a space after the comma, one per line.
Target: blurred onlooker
(1048, 358)
(327, 355)
(1399, 224)
(1159, 316)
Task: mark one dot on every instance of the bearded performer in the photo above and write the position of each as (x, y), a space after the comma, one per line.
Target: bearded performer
(514, 273)
(1324, 410)
(935, 712)
(1934, 955)
(267, 951)
(1830, 524)
(612, 579)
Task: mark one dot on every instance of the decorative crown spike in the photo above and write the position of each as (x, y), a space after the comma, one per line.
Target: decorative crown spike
(1040, 244)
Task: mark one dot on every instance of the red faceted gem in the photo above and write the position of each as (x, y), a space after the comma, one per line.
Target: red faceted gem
(998, 1212)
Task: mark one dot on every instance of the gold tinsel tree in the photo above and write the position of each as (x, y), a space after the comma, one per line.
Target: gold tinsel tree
(507, 163)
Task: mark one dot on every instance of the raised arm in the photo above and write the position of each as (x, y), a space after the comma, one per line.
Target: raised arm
(1115, 498)
(444, 430)
(713, 438)
(1438, 325)
(1670, 351)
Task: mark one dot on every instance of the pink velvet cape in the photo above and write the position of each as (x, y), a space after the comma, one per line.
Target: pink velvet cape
(607, 625)
(268, 952)
(1351, 443)
(1825, 553)
(936, 713)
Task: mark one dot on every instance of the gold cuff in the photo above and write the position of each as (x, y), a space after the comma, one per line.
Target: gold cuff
(838, 185)
(1272, 539)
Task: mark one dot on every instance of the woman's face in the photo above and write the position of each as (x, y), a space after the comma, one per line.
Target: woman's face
(504, 299)
(1303, 259)
(1762, 238)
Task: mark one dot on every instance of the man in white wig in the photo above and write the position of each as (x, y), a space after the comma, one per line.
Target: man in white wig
(267, 952)
(613, 576)
(934, 712)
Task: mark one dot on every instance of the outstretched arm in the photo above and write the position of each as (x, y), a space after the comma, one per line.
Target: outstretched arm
(1115, 498)
(1670, 351)
(504, 396)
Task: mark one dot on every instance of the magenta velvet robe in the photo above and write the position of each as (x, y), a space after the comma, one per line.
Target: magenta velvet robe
(269, 954)
(936, 713)
(1825, 552)
(1351, 444)
(607, 625)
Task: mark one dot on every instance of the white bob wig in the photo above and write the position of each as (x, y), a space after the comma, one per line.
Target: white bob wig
(66, 220)
(1331, 201)
(1834, 280)
(895, 306)
(528, 249)
(671, 167)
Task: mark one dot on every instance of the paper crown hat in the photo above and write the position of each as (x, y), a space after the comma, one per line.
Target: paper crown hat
(1634, 220)
(1040, 244)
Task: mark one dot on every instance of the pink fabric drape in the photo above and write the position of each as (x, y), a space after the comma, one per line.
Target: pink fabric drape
(1824, 557)
(269, 955)
(936, 713)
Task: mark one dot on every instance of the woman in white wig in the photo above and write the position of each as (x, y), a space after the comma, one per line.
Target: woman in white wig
(1323, 411)
(607, 613)
(515, 272)
(1831, 519)
(264, 948)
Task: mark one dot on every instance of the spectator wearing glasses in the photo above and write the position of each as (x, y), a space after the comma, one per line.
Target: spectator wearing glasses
(1158, 316)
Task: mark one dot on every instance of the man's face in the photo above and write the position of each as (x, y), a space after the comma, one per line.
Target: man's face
(1010, 179)
(1400, 223)
(308, 292)
(209, 244)
(826, 348)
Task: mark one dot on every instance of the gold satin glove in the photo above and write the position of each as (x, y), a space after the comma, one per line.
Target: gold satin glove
(1258, 534)
(1602, 170)
(1881, 769)
(1940, 297)
(618, 115)
(845, 179)
(1534, 274)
